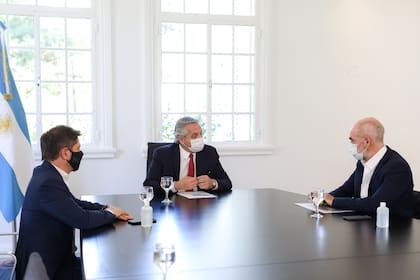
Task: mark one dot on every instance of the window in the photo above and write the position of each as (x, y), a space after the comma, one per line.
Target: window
(54, 46)
(207, 56)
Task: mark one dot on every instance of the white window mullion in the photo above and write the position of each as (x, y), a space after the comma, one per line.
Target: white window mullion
(38, 75)
(233, 81)
(209, 83)
(66, 69)
(185, 65)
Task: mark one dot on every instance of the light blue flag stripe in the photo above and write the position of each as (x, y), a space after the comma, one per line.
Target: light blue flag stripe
(11, 198)
(15, 147)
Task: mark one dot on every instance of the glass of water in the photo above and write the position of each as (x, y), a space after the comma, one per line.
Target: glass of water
(317, 198)
(143, 197)
(164, 257)
(150, 193)
(166, 183)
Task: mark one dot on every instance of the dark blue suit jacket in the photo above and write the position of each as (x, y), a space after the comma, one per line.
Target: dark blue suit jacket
(49, 215)
(392, 182)
(166, 162)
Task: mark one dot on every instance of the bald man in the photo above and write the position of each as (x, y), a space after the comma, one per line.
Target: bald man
(381, 175)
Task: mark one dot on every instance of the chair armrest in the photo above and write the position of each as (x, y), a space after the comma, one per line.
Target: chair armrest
(8, 233)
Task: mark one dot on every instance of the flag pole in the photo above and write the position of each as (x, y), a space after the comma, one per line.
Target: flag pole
(14, 237)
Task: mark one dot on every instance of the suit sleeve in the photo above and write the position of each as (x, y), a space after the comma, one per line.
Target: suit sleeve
(58, 202)
(90, 205)
(219, 174)
(391, 184)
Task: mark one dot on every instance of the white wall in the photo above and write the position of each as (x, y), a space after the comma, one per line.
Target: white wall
(332, 62)
(335, 62)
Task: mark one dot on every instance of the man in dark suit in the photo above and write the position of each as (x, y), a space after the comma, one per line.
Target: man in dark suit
(381, 175)
(192, 164)
(50, 211)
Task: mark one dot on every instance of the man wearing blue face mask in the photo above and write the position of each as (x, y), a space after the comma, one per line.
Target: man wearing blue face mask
(192, 164)
(50, 212)
(381, 175)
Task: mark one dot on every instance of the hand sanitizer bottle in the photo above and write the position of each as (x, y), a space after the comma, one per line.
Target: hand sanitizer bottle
(382, 216)
(146, 215)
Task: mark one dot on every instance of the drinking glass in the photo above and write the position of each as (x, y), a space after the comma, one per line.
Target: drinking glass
(144, 197)
(150, 193)
(164, 257)
(317, 198)
(165, 183)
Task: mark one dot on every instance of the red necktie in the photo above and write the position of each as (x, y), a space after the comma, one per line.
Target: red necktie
(191, 166)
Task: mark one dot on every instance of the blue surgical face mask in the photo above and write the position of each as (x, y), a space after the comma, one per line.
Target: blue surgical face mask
(353, 150)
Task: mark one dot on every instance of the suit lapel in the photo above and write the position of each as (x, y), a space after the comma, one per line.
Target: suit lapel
(358, 179)
(377, 169)
(200, 163)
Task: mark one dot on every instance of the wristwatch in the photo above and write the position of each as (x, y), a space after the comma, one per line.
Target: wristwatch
(214, 183)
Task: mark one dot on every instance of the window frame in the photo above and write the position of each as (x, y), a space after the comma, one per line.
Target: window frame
(262, 143)
(100, 13)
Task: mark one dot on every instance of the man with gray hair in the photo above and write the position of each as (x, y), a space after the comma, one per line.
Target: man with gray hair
(381, 175)
(192, 164)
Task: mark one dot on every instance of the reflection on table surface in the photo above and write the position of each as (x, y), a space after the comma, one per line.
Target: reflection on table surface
(247, 234)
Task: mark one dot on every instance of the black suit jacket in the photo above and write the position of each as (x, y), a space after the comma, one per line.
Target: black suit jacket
(166, 162)
(391, 182)
(49, 215)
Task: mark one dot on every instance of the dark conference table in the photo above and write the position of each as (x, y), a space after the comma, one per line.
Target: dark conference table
(250, 234)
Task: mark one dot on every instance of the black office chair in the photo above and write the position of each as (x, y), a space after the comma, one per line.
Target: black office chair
(7, 262)
(7, 266)
(416, 198)
(151, 146)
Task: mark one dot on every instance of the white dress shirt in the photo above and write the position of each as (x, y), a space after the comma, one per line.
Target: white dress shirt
(369, 168)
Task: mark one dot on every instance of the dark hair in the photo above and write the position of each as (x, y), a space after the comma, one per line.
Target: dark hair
(57, 138)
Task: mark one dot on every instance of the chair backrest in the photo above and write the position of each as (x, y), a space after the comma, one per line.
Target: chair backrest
(151, 146)
(416, 198)
(7, 266)
(7, 261)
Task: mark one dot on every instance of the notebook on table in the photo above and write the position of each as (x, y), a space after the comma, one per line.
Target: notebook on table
(196, 195)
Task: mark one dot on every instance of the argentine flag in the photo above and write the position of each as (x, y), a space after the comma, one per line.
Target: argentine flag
(16, 161)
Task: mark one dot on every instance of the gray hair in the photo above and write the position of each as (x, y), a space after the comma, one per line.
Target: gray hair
(180, 126)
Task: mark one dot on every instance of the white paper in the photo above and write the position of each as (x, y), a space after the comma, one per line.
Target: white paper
(196, 195)
(322, 209)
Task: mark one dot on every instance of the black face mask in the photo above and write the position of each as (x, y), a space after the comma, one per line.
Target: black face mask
(75, 159)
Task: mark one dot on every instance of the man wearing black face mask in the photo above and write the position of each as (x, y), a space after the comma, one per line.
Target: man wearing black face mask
(50, 212)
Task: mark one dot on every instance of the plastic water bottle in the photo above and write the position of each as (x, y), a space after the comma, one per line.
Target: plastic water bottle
(146, 216)
(382, 215)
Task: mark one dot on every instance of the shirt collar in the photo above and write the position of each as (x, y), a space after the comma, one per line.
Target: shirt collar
(373, 162)
(183, 153)
(63, 174)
